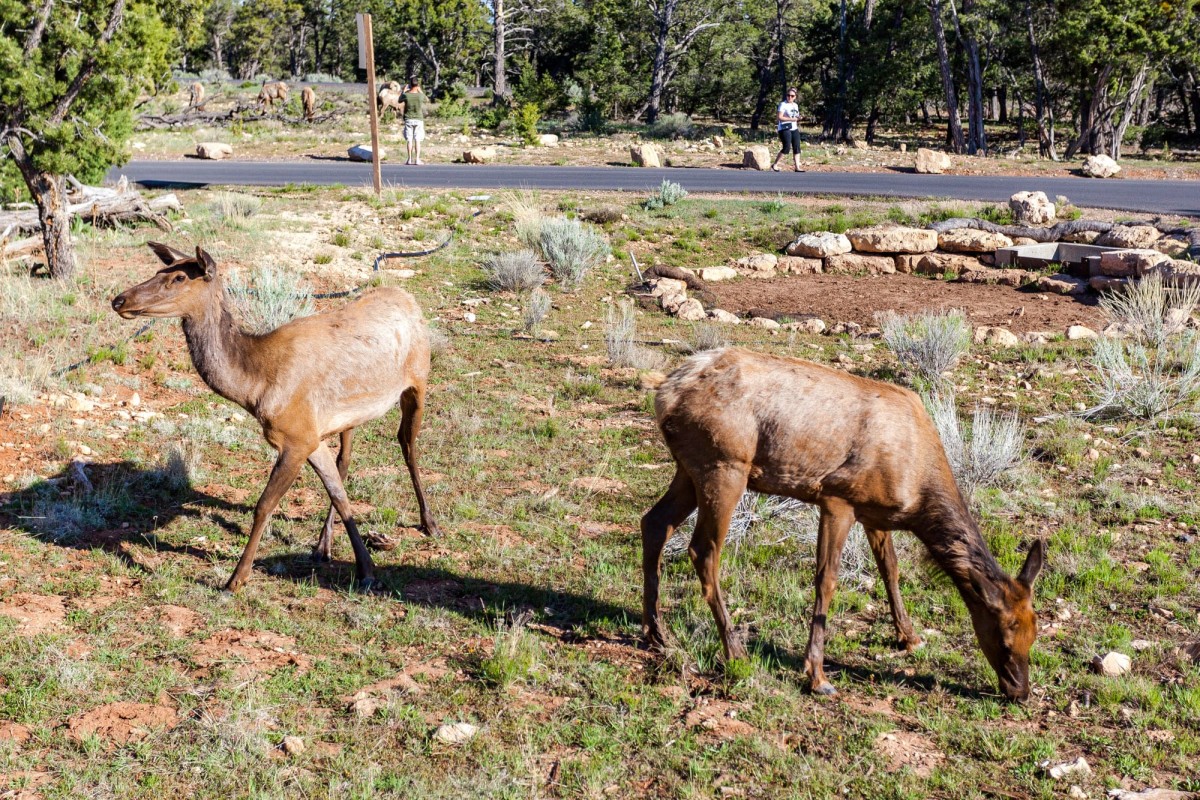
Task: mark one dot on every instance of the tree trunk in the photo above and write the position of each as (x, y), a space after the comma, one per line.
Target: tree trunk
(954, 132)
(976, 110)
(1002, 99)
(1041, 106)
(499, 57)
(50, 194)
(664, 16)
(1127, 110)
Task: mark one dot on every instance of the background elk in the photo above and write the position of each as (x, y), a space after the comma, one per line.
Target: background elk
(308, 98)
(314, 377)
(858, 449)
(389, 97)
(270, 92)
(196, 95)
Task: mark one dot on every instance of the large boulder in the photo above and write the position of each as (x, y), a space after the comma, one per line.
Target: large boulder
(858, 263)
(645, 155)
(1003, 277)
(362, 152)
(479, 155)
(970, 240)
(941, 263)
(820, 245)
(757, 157)
(691, 310)
(213, 151)
(1178, 272)
(714, 274)
(798, 265)
(726, 317)
(1062, 284)
(1100, 166)
(892, 239)
(1130, 263)
(759, 265)
(1032, 208)
(1000, 337)
(1136, 236)
(1171, 246)
(932, 162)
(548, 140)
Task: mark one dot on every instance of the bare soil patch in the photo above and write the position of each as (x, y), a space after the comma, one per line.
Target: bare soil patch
(13, 732)
(906, 749)
(35, 613)
(121, 723)
(847, 298)
(249, 652)
(718, 718)
(178, 620)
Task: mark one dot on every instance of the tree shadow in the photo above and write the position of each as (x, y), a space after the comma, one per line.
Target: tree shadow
(112, 507)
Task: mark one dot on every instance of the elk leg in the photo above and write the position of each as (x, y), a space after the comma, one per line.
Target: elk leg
(836, 519)
(283, 474)
(324, 549)
(718, 494)
(657, 526)
(322, 462)
(885, 559)
(412, 408)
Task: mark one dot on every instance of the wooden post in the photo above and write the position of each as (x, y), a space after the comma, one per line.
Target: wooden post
(369, 36)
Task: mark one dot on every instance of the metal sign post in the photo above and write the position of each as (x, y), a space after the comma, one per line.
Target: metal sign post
(366, 59)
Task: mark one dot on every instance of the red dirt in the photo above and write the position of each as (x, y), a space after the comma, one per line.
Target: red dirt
(912, 750)
(849, 298)
(249, 652)
(718, 718)
(178, 620)
(13, 732)
(121, 723)
(35, 613)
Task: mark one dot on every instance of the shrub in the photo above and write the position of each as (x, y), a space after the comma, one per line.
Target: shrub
(983, 454)
(620, 338)
(514, 272)
(527, 218)
(537, 306)
(929, 343)
(321, 77)
(572, 249)
(528, 117)
(515, 652)
(268, 299)
(668, 194)
(491, 117)
(234, 208)
(591, 116)
(1151, 311)
(672, 126)
(708, 336)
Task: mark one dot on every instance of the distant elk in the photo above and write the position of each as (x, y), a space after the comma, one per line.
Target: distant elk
(196, 95)
(390, 96)
(271, 92)
(859, 450)
(308, 98)
(314, 377)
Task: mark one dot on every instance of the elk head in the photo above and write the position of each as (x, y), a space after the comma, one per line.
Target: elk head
(178, 290)
(1006, 624)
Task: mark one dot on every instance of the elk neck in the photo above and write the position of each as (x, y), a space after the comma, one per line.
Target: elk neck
(220, 349)
(952, 538)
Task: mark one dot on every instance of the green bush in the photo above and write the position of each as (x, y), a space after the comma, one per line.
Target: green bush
(528, 116)
(668, 194)
(572, 249)
(672, 126)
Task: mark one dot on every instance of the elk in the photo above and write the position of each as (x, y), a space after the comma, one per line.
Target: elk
(270, 92)
(309, 379)
(308, 98)
(858, 449)
(196, 95)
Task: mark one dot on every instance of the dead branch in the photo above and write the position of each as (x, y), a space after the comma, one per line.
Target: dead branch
(101, 206)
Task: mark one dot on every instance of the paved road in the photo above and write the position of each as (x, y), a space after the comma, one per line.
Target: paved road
(1152, 196)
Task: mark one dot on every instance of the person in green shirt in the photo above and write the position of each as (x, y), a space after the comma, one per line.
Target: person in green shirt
(413, 103)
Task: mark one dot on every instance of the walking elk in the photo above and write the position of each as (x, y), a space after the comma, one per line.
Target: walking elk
(859, 450)
(314, 377)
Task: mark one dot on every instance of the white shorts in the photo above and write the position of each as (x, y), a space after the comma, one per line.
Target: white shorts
(414, 130)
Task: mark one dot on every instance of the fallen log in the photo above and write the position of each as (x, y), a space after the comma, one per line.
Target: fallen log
(101, 206)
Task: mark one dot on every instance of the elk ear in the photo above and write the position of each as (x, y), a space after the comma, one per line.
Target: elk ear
(1033, 564)
(206, 261)
(167, 254)
(991, 593)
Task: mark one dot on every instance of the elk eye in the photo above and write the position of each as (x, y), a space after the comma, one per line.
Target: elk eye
(180, 278)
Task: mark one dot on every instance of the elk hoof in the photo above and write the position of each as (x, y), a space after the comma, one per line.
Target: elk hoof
(320, 557)
(912, 643)
(824, 689)
(431, 529)
(366, 585)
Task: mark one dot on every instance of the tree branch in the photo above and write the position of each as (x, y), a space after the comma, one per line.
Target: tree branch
(89, 67)
(39, 28)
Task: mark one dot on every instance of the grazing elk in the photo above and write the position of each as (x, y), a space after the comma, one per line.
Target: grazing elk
(859, 450)
(314, 377)
(270, 92)
(196, 95)
(308, 99)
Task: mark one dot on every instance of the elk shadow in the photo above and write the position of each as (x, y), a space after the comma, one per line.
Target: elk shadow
(111, 506)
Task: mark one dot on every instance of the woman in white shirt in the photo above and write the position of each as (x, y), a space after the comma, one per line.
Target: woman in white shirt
(788, 117)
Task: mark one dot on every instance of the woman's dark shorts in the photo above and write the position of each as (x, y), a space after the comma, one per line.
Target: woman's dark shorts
(790, 141)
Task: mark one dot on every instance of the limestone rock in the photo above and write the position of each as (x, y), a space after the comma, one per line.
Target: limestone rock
(665, 286)
(1178, 272)
(723, 316)
(940, 263)
(811, 325)
(969, 240)
(293, 745)
(548, 140)
(1082, 237)
(757, 157)
(1062, 283)
(1002, 277)
(479, 155)
(798, 265)
(1021, 241)
(1078, 332)
(892, 239)
(906, 263)
(820, 245)
(856, 263)
(456, 733)
(691, 310)
(1112, 665)
(715, 274)
(1136, 236)
(1100, 166)
(1103, 283)
(1032, 208)
(362, 152)
(213, 151)
(1075, 770)
(764, 323)
(645, 155)
(1172, 247)
(932, 162)
(1127, 263)
(759, 265)
(1001, 337)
